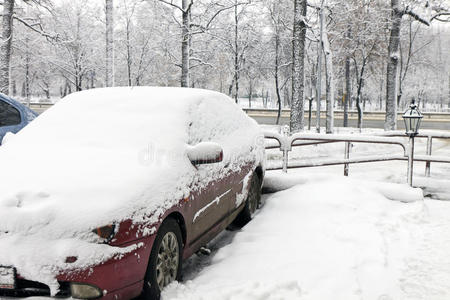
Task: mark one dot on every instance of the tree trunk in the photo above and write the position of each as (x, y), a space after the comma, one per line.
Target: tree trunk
(319, 70)
(109, 43)
(230, 88)
(298, 66)
(185, 44)
(23, 93)
(92, 79)
(348, 86)
(358, 96)
(236, 54)
(318, 89)
(277, 65)
(128, 54)
(286, 99)
(277, 89)
(27, 73)
(5, 45)
(47, 90)
(67, 88)
(329, 83)
(250, 94)
(14, 88)
(392, 67)
(312, 88)
(381, 88)
(78, 78)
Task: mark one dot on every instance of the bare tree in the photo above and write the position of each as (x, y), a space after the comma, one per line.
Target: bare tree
(189, 28)
(407, 56)
(365, 45)
(392, 75)
(278, 28)
(8, 16)
(76, 55)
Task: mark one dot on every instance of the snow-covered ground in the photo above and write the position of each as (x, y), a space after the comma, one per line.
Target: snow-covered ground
(325, 236)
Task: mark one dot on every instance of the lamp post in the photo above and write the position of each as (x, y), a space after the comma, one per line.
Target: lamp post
(412, 118)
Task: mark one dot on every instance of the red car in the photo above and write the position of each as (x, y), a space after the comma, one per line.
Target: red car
(106, 193)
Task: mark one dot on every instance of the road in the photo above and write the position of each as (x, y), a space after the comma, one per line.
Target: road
(439, 121)
(338, 122)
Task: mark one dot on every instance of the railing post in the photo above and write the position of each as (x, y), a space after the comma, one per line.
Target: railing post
(410, 160)
(285, 160)
(429, 149)
(347, 156)
(285, 148)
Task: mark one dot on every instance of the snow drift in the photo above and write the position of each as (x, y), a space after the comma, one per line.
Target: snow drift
(333, 238)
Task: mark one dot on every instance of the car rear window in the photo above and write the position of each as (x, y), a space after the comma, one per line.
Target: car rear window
(9, 115)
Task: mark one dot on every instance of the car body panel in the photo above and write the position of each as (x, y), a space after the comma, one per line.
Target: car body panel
(129, 270)
(26, 116)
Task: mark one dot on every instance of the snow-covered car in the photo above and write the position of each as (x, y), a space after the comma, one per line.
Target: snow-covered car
(13, 116)
(108, 191)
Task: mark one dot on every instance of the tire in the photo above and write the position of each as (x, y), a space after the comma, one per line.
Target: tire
(251, 204)
(165, 261)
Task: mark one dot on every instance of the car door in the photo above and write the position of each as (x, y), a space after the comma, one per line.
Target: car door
(212, 200)
(10, 118)
(212, 195)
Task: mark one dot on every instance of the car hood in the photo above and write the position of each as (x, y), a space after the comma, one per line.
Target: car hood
(87, 162)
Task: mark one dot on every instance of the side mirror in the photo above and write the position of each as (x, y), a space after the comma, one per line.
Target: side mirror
(205, 153)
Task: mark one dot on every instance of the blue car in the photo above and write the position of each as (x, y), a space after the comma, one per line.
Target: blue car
(13, 116)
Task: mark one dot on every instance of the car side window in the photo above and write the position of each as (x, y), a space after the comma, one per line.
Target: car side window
(9, 115)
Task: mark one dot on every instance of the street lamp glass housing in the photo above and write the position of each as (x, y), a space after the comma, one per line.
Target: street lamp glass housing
(412, 118)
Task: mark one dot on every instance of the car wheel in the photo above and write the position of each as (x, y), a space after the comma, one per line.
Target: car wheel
(251, 204)
(165, 261)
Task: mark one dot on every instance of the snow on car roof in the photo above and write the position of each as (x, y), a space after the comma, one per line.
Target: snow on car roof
(104, 155)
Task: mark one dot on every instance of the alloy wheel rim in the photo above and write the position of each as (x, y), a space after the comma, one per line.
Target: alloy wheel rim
(167, 260)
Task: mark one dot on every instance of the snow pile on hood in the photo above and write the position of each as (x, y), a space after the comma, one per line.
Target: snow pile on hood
(330, 239)
(105, 155)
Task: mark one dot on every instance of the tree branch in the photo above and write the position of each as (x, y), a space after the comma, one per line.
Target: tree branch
(40, 30)
(438, 15)
(202, 28)
(172, 4)
(417, 17)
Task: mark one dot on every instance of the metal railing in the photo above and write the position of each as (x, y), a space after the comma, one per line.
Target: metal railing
(429, 135)
(285, 142)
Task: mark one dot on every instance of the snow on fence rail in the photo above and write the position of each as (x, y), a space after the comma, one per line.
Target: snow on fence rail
(285, 143)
